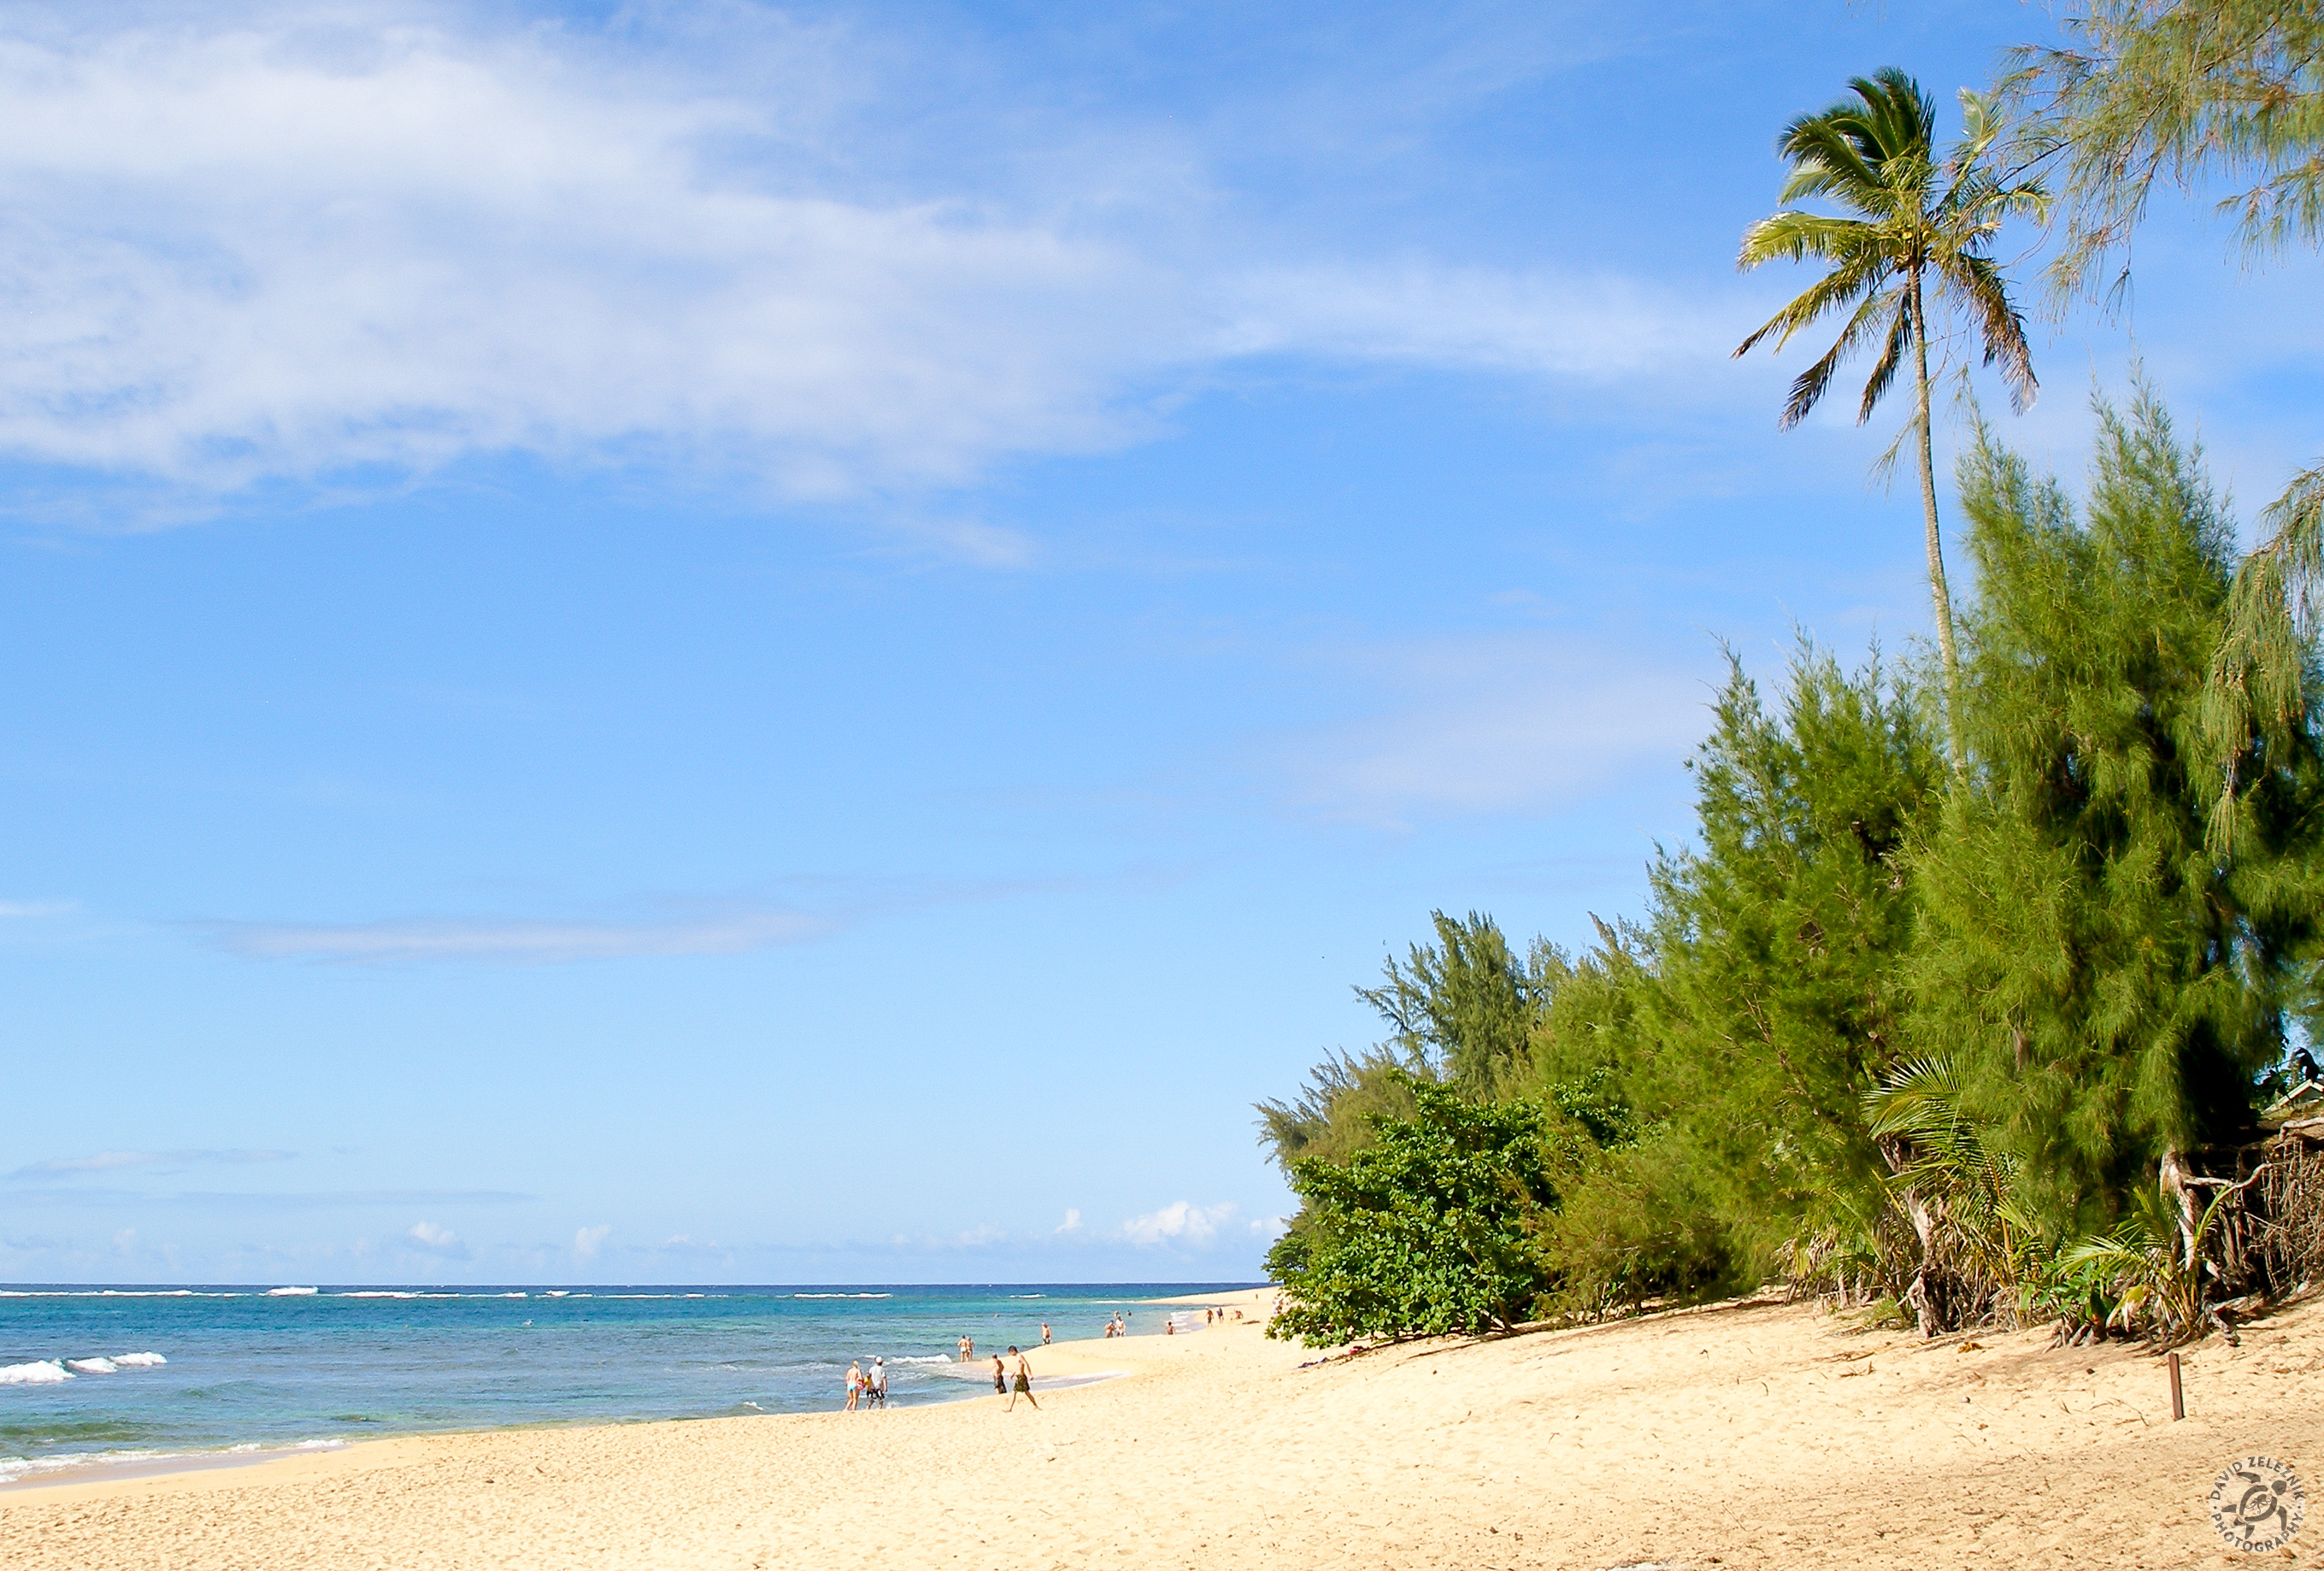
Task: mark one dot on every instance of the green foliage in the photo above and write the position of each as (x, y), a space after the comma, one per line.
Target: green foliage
(2186, 93)
(1461, 1008)
(1779, 938)
(2195, 94)
(1331, 1118)
(1639, 1226)
(1979, 1252)
(2108, 987)
(1912, 226)
(1425, 1231)
(1913, 222)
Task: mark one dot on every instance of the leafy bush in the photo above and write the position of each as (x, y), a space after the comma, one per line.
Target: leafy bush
(1428, 1230)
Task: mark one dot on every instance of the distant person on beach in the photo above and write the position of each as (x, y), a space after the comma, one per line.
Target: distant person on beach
(1045, 1333)
(999, 1375)
(854, 1384)
(967, 1350)
(880, 1382)
(1024, 1384)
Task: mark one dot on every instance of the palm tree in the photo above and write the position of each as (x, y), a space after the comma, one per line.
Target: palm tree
(1913, 224)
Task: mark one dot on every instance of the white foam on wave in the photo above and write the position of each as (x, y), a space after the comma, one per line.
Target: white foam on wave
(375, 1293)
(92, 1366)
(827, 1295)
(138, 1360)
(43, 1372)
(556, 1293)
(939, 1358)
(133, 1463)
(291, 1293)
(13, 1468)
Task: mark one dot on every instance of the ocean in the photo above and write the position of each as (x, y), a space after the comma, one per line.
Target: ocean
(109, 1379)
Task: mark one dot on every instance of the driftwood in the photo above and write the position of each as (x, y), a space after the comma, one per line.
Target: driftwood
(2269, 1239)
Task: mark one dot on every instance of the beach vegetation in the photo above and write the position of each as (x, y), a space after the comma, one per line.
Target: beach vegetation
(1971, 962)
(1888, 1030)
(1914, 224)
(1426, 1229)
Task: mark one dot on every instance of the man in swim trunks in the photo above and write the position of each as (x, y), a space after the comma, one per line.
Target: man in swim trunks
(999, 1376)
(967, 1350)
(1045, 1333)
(878, 1381)
(1024, 1385)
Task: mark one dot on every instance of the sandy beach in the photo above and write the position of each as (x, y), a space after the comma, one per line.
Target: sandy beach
(1741, 1436)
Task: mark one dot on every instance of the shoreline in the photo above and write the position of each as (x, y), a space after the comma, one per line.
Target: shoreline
(1754, 1434)
(1085, 1359)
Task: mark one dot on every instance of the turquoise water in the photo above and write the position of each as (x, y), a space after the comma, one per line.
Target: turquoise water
(250, 1367)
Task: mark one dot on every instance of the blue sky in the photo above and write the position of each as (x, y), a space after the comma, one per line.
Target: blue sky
(724, 644)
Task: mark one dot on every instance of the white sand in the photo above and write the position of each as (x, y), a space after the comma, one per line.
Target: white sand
(1739, 1436)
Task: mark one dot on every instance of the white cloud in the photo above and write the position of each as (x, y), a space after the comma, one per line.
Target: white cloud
(1493, 724)
(585, 1240)
(437, 1240)
(1180, 1223)
(235, 255)
(323, 250)
(1591, 329)
(1270, 1227)
(28, 909)
(115, 1161)
(1073, 1222)
(510, 942)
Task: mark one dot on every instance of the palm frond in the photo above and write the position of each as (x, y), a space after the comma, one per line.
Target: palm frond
(1834, 291)
(1900, 339)
(1978, 284)
(1809, 388)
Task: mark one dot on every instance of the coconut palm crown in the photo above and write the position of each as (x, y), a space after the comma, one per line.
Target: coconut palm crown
(1913, 225)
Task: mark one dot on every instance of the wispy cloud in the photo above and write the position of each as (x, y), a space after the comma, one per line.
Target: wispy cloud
(118, 1161)
(1073, 1222)
(1489, 725)
(260, 251)
(1181, 1223)
(263, 1199)
(31, 910)
(587, 1241)
(1590, 329)
(510, 942)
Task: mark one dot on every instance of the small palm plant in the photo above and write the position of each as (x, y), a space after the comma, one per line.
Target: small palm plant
(1979, 1252)
(2145, 1273)
(1914, 224)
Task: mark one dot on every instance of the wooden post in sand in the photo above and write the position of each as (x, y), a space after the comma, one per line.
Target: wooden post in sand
(2177, 1403)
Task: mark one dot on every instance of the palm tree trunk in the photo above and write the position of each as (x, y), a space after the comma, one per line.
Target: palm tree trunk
(1944, 601)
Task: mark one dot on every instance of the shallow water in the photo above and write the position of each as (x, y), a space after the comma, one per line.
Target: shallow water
(253, 1367)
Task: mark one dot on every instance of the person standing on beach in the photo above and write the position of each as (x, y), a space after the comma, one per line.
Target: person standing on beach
(999, 1375)
(967, 1350)
(1045, 1333)
(854, 1384)
(880, 1382)
(1024, 1387)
